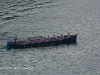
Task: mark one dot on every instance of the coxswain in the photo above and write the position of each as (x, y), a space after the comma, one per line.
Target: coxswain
(15, 39)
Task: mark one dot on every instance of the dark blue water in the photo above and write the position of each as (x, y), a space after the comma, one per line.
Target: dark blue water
(29, 18)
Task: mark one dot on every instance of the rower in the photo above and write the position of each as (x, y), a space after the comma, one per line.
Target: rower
(28, 41)
(69, 35)
(49, 38)
(55, 38)
(35, 40)
(62, 36)
(40, 40)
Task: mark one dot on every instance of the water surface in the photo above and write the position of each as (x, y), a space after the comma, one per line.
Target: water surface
(29, 18)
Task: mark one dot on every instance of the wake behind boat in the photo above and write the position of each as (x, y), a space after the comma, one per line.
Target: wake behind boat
(41, 42)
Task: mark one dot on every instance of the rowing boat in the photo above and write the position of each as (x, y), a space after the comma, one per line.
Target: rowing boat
(40, 43)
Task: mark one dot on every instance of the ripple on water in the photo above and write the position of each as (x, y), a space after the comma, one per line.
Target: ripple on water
(29, 18)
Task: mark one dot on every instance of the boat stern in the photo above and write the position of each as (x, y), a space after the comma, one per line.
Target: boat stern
(10, 45)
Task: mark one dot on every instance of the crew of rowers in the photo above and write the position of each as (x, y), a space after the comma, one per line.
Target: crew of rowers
(54, 38)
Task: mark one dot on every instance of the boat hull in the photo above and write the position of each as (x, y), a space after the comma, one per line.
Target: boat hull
(69, 40)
